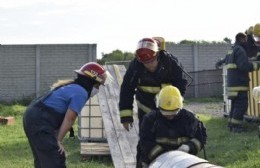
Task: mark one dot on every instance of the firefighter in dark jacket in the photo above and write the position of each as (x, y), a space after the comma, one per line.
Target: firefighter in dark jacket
(152, 69)
(170, 127)
(252, 48)
(147, 73)
(238, 68)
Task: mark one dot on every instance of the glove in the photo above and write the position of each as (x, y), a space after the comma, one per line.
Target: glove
(217, 65)
(184, 148)
(126, 125)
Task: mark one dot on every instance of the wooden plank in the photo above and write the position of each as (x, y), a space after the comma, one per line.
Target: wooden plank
(110, 130)
(132, 135)
(253, 106)
(112, 99)
(250, 106)
(253, 101)
(94, 149)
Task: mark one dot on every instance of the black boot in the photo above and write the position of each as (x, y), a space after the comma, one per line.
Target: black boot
(237, 128)
(229, 126)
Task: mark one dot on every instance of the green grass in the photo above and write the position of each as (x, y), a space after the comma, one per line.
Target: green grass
(16, 153)
(231, 150)
(223, 148)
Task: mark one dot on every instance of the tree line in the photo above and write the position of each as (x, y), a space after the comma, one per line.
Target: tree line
(118, 55)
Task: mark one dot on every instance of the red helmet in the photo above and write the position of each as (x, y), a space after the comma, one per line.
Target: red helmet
(146, 50)
(94, 71)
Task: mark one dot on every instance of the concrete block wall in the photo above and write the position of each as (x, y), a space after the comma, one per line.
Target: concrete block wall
(29, 70)
(199, 61)
(17, 70)
(198, 57)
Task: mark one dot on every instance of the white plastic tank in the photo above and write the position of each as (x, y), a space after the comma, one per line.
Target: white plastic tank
(179, 159)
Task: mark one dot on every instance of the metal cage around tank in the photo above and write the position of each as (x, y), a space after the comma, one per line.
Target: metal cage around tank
(90, 124)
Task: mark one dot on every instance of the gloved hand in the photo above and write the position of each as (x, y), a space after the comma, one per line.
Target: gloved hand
(126, 125)
(184, 148)
(217, 65)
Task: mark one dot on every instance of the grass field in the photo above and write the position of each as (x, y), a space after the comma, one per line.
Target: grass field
(223, 148)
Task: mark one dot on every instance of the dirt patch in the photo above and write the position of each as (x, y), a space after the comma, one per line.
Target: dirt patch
(213, 108)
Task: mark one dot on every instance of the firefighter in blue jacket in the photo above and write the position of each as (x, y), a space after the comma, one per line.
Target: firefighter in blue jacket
(170, 127)
(238, 68)
(48, 118)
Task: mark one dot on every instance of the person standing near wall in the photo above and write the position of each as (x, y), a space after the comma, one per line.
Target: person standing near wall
(49, 117)
(238, 68)
(148, 72)
(252, 48)
(256, 36)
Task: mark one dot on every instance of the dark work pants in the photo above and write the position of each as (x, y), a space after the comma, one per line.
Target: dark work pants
(239, 107)
(40, 124)
(141, 114)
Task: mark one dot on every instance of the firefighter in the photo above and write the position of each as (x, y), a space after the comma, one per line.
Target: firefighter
(49, 117)
(238, 67)
(151, 69)
(170, 127)
(251, 49)
(147, 73)
(256, 36)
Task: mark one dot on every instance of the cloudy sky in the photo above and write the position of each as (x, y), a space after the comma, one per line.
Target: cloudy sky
(119, 24)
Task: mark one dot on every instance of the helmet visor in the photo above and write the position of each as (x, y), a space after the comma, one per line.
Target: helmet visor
(169, 112)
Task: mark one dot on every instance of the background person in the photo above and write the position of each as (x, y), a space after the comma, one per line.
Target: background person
(48, 118)
(238, 68)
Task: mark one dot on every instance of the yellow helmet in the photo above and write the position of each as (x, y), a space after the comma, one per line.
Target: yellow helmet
(256, 33)
(256, 30)
(169, 100)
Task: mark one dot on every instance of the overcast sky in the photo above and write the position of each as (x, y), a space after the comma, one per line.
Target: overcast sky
(120, 24)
